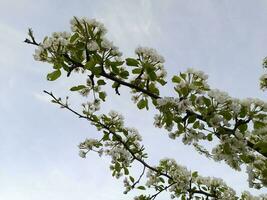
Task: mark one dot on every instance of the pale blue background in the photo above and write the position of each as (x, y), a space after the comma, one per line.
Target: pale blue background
(38, 149)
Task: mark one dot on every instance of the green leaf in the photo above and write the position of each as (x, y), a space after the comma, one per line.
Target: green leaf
(243, 112)
(90, 64)
(126, 171)
(191, 119)
(102, 95)
(183, 75)
(101, 82)
(227, 148)
(152, 76)
(161, 81)
(204, 188)
(209, 137)
(258, 125)
(117, 167)
(74, 37)
(114, 64)
(168, 118)
(207, 101)
(57, 65)
(196, 125)
(264, 173)
(124, 74)
(153, 89)
(150, 70)
(195, 174)
(162, 179)
(97, 57)
(246, 158)
(96, 70)
(106, 136)
(137, 71)
(176, 79)
(262, 146)
(54, 75)
(132, 179)
(141, 188)
(142, 104)
(243, 127)
(76, 88)
(115, 85)
(132, 62)
(115, 70)
(226, 114)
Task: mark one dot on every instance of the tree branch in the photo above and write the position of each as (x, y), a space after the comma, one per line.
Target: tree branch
(145, 165)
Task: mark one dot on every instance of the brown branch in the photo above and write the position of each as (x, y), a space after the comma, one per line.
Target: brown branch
(145, 91)
(135, 183)
(146, 165)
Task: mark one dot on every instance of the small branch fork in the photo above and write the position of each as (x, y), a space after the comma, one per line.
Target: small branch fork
(140, 160)
(143, 171)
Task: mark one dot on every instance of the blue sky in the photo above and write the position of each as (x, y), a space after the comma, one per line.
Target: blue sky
(38, 151)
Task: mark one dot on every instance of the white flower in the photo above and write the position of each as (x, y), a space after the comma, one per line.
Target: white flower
(47, 43)
(92, 46)
(106, 44)
(113, 114)
(38, 52)
(198, 73)
(149, 54)
(219, 96)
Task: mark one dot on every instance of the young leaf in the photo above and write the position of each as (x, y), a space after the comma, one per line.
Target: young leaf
(176, 79)
(141, 188)
(101, 82)
(102, 95)
(76, 88)
(142, 103)
(131, 62)
(54, 75)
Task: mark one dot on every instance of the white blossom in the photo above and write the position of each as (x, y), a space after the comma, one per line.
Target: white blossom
(219, 96)
(198, 73)
(92, 46)
(149, 54)
(38, 52)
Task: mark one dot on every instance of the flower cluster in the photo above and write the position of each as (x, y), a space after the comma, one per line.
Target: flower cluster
(197, 73)
(92, 33)
(191, 136)
(247, 196)
(183, 181)
(219, 96)
(55, 43)
(91, 107)
(118, 142)
(217, 187)
(257, 172)
(201, 114)
(88, 145)
(85, 48)
(229, 150)
(149, 55)
(190, 82)
(97, 27)
(148, 71)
